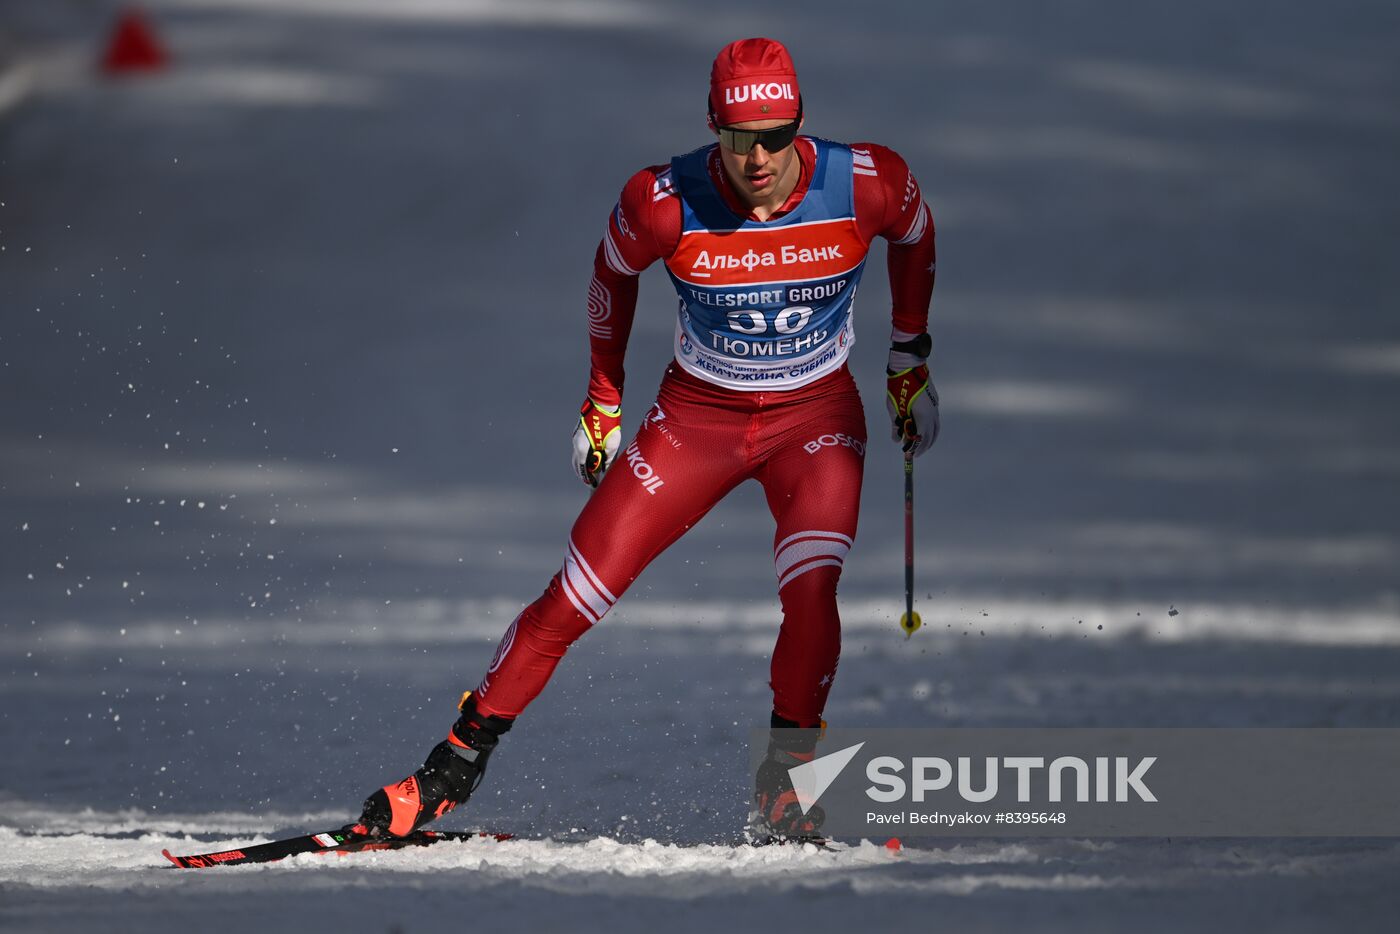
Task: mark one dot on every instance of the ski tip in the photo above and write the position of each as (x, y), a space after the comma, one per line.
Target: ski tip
(893, 845)
(174, 859)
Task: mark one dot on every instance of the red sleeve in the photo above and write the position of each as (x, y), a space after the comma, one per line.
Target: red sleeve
(890, 205)
(645, 226)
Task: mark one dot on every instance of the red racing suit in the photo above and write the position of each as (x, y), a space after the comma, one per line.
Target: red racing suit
(759, 390)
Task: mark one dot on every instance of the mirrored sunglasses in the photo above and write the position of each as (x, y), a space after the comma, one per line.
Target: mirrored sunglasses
(774, 140)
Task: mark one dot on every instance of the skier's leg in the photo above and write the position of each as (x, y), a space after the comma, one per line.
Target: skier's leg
(813, 489)
(683, 460)
(812, 481)
(659, 486)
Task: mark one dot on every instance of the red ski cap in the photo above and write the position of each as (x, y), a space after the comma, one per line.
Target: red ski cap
(753, 79)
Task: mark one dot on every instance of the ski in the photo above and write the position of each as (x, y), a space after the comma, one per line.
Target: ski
(342, 842)
(333, 841)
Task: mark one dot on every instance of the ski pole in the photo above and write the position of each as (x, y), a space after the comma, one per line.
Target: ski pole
(910, 620)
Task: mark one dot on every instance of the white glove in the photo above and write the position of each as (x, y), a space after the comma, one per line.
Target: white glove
(596, 440)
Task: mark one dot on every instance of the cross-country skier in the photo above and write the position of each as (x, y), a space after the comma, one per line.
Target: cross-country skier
(764, 234)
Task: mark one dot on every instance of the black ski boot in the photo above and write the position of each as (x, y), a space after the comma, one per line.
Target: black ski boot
(447, 778)
(777, 816)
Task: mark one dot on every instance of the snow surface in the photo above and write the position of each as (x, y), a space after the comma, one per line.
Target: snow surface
(272, 481)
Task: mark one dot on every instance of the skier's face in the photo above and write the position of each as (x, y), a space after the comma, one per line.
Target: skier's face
(759, 176)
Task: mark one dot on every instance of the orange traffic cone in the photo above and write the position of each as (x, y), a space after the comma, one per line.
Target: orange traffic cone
(134, 46)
